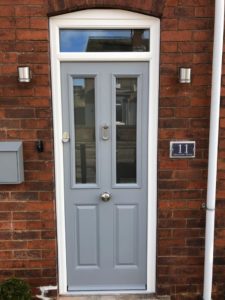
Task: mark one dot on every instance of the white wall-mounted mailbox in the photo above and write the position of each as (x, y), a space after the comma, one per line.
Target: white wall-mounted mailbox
(11, 162)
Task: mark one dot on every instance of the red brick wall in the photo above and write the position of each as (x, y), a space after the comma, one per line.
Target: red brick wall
(186, 40)
(153, 7)
(27, 211)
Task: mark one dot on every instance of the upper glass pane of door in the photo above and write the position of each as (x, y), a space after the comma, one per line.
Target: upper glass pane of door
(107, 40)
(126, 130)
(84, 125)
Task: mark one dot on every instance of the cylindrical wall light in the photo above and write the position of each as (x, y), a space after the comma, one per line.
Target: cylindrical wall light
(185, 75)
(24, 74)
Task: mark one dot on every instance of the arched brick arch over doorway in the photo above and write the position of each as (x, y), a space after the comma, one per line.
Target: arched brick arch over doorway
(150, 7)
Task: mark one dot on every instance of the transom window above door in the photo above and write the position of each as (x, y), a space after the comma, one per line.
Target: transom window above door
(104, 40)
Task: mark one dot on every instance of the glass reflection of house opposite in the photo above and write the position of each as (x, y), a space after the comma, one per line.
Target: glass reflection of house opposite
(136, 40)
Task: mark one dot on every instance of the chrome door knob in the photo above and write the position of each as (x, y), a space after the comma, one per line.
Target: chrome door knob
(105, 196)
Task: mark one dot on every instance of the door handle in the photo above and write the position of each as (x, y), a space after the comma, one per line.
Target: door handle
(105, 196)
(65, 137)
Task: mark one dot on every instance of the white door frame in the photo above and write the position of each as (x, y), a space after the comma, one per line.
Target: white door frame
(99, 19)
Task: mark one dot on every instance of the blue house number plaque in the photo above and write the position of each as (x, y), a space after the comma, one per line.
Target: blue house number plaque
(182, 149)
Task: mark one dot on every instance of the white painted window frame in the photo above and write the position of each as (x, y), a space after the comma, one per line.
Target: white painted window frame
(100, 19)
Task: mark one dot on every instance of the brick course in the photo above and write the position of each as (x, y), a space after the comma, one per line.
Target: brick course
(27, 211)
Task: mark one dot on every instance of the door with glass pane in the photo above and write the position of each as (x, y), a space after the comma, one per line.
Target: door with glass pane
(105, 108)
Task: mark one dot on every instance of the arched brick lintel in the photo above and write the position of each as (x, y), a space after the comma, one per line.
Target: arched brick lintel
(149, 7)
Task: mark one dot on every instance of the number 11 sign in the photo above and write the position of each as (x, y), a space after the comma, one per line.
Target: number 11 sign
(182, 149)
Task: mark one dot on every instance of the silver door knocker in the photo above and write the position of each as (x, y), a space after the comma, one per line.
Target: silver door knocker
(105, 132)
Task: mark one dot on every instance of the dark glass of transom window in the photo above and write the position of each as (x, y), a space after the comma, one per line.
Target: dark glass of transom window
(84, 124)
(126, 120)
(108, 40)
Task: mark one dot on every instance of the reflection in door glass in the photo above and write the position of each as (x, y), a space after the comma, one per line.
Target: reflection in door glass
(126, 119)
(84, 119)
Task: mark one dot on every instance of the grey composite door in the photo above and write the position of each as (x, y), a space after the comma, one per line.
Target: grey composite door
(105, 108)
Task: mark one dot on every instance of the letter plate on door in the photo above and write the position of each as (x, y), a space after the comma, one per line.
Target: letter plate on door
(105, 132)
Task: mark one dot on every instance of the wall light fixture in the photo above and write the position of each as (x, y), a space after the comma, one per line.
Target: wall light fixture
(24, 74)
(185, 75)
